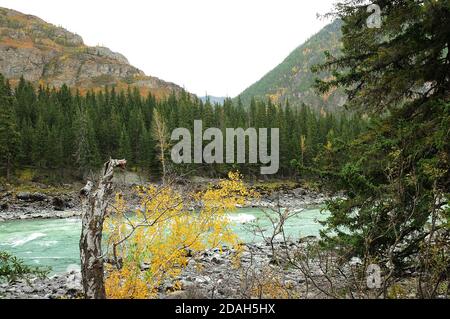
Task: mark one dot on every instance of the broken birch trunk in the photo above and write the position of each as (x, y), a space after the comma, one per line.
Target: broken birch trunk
(95, 204)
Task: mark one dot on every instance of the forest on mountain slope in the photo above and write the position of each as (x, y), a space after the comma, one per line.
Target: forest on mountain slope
(293, 80)
(70, 134)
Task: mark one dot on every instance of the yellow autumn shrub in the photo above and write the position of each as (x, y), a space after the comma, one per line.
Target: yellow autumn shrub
(270, 285)
(164, 231)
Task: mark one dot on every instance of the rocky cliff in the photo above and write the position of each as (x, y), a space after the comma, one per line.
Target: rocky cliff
(50, 55)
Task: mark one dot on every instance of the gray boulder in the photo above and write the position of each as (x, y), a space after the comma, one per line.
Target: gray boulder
(31, 197)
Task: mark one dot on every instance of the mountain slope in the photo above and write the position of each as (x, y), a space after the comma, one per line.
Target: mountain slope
(293, 79)
(50, 55)
(213, 99)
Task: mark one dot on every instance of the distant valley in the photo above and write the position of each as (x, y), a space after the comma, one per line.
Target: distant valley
(213, 99)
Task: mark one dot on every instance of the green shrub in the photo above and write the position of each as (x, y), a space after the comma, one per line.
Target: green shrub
(26, 175)
(13, 269)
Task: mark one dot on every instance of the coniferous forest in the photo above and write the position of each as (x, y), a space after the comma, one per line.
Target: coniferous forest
(67, 133)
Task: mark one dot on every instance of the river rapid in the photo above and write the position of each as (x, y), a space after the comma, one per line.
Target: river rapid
(54, 242)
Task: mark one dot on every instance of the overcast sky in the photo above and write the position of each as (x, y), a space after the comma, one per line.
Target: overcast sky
(216, 46)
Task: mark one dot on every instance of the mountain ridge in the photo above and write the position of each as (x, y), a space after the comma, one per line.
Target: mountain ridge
(50, 55)
(292, 80)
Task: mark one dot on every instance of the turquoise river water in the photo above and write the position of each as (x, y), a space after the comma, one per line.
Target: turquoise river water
(54, 242)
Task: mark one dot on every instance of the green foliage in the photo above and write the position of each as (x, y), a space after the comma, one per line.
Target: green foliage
(396, 174)
(9, 135)
(13, 269)
(293, 80)
(86, 155)
(57, 129)
(406, 59)
(124, 145)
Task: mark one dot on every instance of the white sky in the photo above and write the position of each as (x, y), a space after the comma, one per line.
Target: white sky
(216, 46)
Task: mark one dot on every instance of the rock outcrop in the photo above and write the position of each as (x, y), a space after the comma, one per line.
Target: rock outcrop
(49, 55)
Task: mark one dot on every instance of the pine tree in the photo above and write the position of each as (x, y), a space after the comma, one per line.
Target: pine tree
(86, 154)
(9, 135)
(125, 145)
(396, 176)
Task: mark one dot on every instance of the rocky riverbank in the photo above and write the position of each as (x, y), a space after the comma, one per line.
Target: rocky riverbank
(254, 274)
(62, 286)
(39, 205)
(289, 198)
(30, 205)
(211, 274)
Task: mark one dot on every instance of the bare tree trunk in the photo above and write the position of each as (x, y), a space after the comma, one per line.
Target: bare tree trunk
(161, 134)
(94, 213)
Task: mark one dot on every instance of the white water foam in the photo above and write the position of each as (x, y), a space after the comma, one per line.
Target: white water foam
(241, 218)
(48, 243)
(56, 258)
(26, 239)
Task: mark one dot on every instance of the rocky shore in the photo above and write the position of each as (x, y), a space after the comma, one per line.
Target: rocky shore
(217, 275)
(30, 205)
(37, 205)
(289, 198)
(211, 274)
(61, 286)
